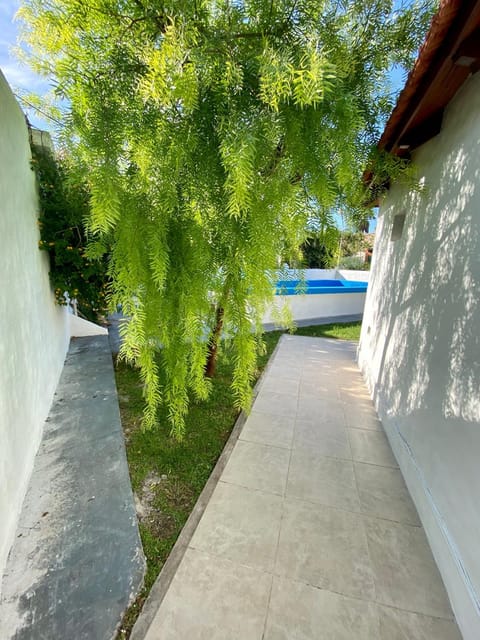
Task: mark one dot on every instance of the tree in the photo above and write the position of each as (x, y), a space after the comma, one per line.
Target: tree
(208, 127)
(355, 242)
(320, 251)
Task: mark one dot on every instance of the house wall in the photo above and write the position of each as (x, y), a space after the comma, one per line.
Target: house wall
(34, 332)
(420, 345)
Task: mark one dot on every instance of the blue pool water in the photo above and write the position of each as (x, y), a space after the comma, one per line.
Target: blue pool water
(295, 287)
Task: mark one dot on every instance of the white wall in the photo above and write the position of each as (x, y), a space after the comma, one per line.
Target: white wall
(309, 274)
(353, 274)
(317, 305)
(33, 330)
(327, 274)
(320, 305)
(420, 345)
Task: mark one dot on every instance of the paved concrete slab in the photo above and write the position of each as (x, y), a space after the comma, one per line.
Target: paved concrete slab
(310, 532)
(77, 561)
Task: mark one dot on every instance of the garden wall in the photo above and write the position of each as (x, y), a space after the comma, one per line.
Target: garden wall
(34, 331)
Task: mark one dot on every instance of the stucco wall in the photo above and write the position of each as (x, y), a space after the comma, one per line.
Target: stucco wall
(33, 330)
(420, 345)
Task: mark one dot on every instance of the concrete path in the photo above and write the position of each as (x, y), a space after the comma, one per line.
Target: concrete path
(310, 534)
(77, 560)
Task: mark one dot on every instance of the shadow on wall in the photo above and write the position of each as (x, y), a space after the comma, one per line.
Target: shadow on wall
(426, 314)
(433, 310)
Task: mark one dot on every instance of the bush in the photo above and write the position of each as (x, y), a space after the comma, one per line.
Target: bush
(64, 205)
(354, 263)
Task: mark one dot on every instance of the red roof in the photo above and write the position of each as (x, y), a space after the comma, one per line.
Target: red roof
(450, 53)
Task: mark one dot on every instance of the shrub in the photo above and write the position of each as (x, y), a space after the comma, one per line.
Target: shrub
(354, 263)
(64, 205)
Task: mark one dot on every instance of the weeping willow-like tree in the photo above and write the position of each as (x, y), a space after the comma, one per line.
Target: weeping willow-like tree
(213, 132)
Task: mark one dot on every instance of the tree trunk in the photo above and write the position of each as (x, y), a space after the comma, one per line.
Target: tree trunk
(211, 364)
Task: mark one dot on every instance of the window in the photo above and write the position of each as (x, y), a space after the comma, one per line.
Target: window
(397, 228)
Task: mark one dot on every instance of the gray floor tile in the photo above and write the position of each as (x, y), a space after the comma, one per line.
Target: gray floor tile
(320, 374)
(361, 417)
(354, 392)
(280, 370)
(328, 481)
(287, 360)
(403, 625)
(383, 493)
(326, 548)
(358, 401)
(266, 428)
(371, 447)
(258, 466)
(406, 576)
(212, 599)
(321, 388)
(240, 525)
(300, 611)
(323, 437)
(289, 351)
(315, 407)
(286, 386)
(276, 403)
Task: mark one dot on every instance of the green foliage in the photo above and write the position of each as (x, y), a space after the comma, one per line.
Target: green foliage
(209, 128)
(321, 251)
(355, 263)
(353, 242)
(64, 205)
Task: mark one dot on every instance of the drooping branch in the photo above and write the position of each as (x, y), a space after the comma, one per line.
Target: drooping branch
(211, 364)
(278, 155)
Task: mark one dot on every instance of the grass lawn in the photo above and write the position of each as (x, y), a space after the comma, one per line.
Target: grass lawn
(168, 476)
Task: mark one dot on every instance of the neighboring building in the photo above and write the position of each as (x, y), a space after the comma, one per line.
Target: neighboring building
(420, 342)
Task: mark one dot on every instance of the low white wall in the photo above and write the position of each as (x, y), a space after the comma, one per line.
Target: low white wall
(327, 274)
(354, 275)
(79, 327)
(420, 345)
(317, 305)
(309, 274)
(34, 332)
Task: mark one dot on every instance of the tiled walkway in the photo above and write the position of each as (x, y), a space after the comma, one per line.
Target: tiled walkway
(310, 533)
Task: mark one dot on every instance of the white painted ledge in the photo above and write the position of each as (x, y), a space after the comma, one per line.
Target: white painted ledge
(80, 328)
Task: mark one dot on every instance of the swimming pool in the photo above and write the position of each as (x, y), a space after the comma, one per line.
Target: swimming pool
(315, 298)
(298, 287)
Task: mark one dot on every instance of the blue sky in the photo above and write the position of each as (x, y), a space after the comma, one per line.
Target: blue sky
(18, 75)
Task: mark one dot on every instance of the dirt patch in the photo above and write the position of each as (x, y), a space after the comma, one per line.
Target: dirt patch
(148, 505)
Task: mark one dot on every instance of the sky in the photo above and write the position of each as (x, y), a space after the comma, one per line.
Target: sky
(18, 76)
